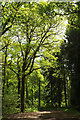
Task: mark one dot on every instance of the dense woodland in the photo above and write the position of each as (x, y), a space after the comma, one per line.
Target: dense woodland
(40, 55)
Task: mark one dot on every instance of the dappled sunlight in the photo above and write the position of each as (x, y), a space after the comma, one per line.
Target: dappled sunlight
(40, 60)
(48, 115)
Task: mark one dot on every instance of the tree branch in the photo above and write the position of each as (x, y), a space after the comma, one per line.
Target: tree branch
(6, 30)
(20, 47)
(12, 70)
(5, 46)
(33, 70)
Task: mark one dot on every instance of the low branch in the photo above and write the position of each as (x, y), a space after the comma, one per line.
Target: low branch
(32, 64)
(12, 70)
(6, 30)
(75, 25)
(5, 46)
(50, 43)
(20, 47)
(45, 57)
(33, 70)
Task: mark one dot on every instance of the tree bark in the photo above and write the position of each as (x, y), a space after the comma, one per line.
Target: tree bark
(4, 79)
(51, 93)
(27, 93)
(32, 96)
(18, 84)
(65, 90)
(59, 91)
(22, 93)
(7, 82)
(19, 91)
(39, 92)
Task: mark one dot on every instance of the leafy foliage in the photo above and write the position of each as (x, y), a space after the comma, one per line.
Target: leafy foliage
(40, 65)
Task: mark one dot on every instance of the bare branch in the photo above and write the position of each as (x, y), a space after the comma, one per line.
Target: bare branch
(33, 70)
(75, 25)
(34, 54)
(20, 47)
(5, 46)
(32, 63)
(12, 69)
(6, 30)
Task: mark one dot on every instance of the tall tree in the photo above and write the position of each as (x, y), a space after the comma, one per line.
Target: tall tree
(32, 30)
(73, 48)
(5, 65)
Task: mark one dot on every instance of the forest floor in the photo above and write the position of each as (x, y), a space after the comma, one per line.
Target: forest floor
(43, 115)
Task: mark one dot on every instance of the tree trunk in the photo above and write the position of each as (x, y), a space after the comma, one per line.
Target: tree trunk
(39, 92)
(5, 62)
(59, 90)
(4, 79)
(69, 89)
(22, 93)
(65, 90)
(26, 93)
(51, 93)
(32, 96)
(18, 84)
(18, 77)
(7, 82)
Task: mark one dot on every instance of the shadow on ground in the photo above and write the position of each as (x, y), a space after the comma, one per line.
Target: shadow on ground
(44, 115)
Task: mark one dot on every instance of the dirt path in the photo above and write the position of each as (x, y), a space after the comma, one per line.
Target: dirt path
(44, 115)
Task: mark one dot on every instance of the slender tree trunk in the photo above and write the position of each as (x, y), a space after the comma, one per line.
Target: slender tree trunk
(4, 79)
(59, 92)
(7, 82)
(18, 77)
(32, 96)
(51, 94)
(5, 62)
(65, 90)
(18, 84)
(39, 92)
(69, 89)
(22, 93)
(27, 93)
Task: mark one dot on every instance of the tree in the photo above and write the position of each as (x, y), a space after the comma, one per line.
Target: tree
(5, 63)
(9, 11)
(32, 30)
(33, 38)
(73, 48)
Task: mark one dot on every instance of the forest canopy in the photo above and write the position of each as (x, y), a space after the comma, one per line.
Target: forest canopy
(40, 55)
